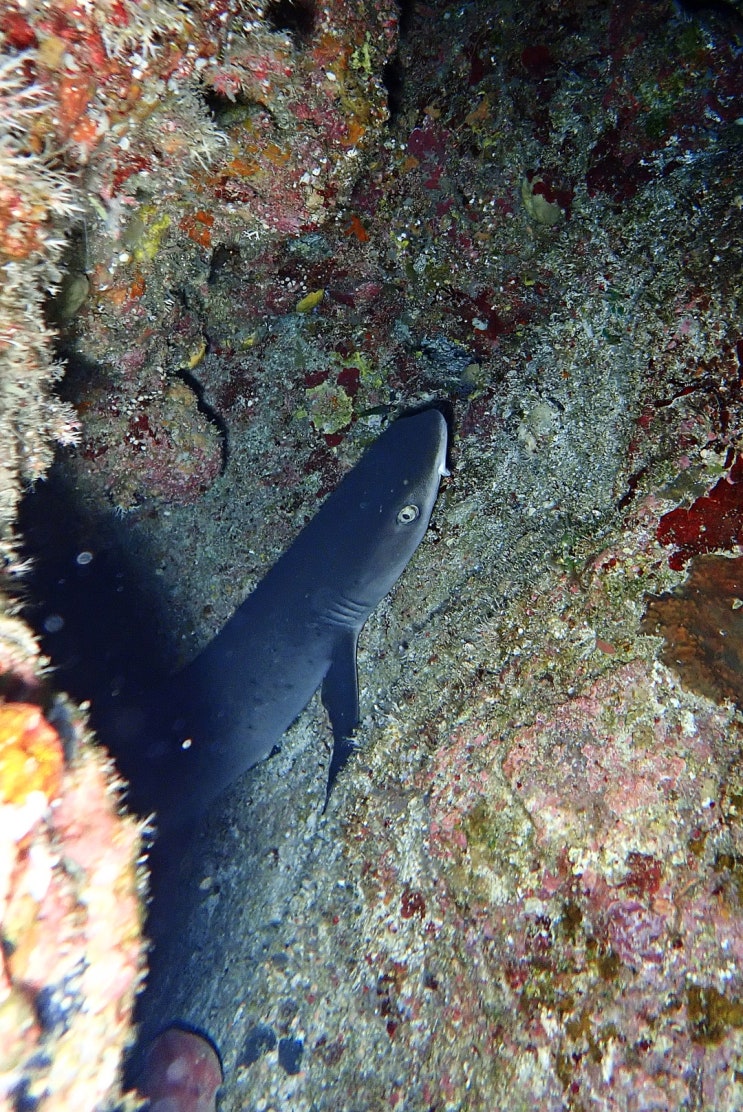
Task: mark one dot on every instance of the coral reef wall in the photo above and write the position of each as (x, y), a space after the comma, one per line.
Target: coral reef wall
(156, 131)
(291, 220)
(36, 206)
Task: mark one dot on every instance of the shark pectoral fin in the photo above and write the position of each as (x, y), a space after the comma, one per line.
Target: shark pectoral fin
(340, 696)
(342, 750)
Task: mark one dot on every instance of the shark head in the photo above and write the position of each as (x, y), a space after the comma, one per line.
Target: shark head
(384, 506)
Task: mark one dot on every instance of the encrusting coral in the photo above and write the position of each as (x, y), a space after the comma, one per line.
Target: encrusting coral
(37, 203)
(70, 912)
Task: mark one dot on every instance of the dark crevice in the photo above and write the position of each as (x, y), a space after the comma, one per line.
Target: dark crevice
(210, 413)
(226, 258)
(294, 17)
(393, 76)
(407, 10)
(228, 111)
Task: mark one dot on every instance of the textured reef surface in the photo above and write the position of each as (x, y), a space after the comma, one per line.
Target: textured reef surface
(71, 888)
(527, 890)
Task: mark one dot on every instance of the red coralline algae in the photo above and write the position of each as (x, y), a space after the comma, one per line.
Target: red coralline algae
(161, 448)
(182, 1073)
(644, 874)
(634, 933)
(596, 893)
(596, 769)
(702, 624)
(714, 522)
(412, 903)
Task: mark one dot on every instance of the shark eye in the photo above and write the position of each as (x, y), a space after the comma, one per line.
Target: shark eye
(407, 514)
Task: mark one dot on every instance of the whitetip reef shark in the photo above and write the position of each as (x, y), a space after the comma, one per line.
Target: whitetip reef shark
(226, 710)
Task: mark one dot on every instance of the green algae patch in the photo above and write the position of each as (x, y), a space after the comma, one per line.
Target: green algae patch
(144, 234)
(330, 408)
(538, 207)
(711, 1014)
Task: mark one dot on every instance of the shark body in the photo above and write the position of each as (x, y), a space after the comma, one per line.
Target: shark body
(296, 631)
